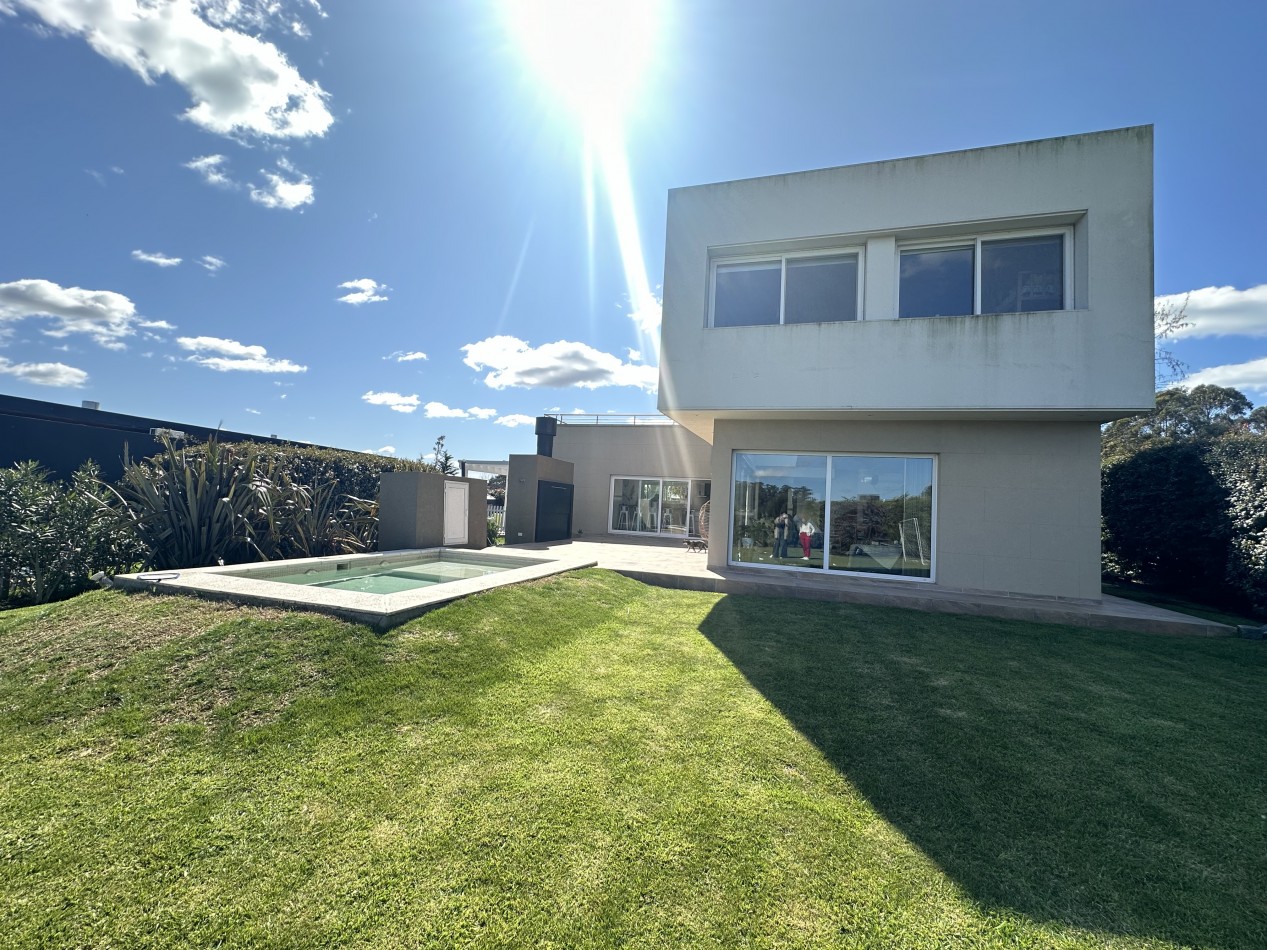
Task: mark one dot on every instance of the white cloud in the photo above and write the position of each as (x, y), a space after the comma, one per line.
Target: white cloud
(381, 450)
(438, 410)
(1221, 311)
(364, 290)
(209, 263)
(162, 260)
(395, 401)
(282, 192)
(155, 325)
(635, 356)
(44, 374)
(231, 356)
(514, 420)
(400, 356)
(254, 412)
(211, 168)
(239, 84)
(514, 363)
(1250, 376)
(646, 317)
(104, 315)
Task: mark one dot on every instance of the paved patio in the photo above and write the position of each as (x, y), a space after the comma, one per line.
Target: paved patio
(669, 564)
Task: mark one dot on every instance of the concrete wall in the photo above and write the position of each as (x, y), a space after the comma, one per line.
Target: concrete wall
(521, 492)
(1092, 361)
(411, 511)
(601, 452)
(1017, 503)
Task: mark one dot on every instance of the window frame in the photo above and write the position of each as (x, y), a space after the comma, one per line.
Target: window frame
(975, 242)
(782, 259)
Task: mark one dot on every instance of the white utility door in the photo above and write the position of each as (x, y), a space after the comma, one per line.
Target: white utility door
(456, 511)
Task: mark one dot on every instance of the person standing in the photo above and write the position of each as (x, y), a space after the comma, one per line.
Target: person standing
(781, 531)
(807, 535)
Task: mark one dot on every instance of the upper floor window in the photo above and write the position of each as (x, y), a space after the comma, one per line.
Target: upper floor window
(1014, 274)
(806, 288)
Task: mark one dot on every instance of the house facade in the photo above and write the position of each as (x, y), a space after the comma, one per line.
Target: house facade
(899, 369)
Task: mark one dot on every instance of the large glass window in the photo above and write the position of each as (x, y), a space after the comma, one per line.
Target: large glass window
(936, 282)
(770, 486)
(806, 288)
(821, 289)
(657, 505)
(881, 515)
(746, 295)
(863, 514)
(1021, 274)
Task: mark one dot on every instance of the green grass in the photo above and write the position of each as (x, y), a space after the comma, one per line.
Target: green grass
(589, 762)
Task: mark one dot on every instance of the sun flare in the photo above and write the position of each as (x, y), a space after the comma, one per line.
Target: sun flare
(591, 54)
(594, 56)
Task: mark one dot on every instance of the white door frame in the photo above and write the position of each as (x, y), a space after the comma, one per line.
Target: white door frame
(457, 511)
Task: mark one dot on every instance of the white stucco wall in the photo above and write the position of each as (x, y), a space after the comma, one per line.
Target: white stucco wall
(601, 452)
(1093, 361)
(1018, 503)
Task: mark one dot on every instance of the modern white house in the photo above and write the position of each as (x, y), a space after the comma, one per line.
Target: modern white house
(910, 359)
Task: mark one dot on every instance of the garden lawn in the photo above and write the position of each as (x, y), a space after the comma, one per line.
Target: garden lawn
(590, 762)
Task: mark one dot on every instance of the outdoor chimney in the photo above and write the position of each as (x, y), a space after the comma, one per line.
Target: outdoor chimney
(546, 428)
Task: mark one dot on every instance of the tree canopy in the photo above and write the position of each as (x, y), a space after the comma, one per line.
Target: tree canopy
(1183, 415)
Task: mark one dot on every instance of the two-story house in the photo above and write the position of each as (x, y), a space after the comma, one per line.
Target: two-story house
(908, 359)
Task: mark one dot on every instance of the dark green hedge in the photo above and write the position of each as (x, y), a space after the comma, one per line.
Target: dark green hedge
(353, 473)
(1191, 517)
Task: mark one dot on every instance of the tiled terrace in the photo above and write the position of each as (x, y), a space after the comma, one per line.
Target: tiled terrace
(669, 564)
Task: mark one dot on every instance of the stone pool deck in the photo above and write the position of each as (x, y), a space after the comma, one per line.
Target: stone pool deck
(668, 564)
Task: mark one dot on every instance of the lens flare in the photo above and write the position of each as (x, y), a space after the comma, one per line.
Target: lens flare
(591, 54)
(594, 56)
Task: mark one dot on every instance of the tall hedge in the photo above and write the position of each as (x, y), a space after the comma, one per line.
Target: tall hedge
(1191, 517)
(352, 473)
(1239, 463)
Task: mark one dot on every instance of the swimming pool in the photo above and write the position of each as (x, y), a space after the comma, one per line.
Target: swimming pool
(382, 590)
(387, 575)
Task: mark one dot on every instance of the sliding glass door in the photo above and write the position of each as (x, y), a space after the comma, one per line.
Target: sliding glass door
(659, 506)
(867, 514)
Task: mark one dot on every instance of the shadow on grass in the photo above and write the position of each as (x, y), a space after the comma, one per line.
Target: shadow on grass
(1105, 781)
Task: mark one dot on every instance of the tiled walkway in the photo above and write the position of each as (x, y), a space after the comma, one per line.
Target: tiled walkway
(669, 564)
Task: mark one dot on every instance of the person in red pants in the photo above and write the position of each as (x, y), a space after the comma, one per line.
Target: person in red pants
(807, 535)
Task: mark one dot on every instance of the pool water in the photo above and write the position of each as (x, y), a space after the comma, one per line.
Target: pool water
(383, 578)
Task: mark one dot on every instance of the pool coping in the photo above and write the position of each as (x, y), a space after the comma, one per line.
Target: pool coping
(380, 611)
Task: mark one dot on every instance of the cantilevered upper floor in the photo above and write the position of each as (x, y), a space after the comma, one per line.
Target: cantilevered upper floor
(1007, 282)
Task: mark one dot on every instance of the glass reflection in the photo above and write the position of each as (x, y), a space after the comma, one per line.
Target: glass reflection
(767, 486)
(881, 515)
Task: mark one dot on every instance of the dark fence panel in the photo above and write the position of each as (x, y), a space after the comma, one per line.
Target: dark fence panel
(62, 438)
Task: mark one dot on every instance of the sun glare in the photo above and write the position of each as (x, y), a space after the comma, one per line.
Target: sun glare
(592, 54)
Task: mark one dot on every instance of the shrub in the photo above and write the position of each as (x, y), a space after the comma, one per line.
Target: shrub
(232, 503)
(1239, 462)
(351, 473)
(189, 509)
(1191, 517)
(54, 535)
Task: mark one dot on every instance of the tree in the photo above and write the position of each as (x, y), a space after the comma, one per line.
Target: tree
(1167, 321)
(497, 488)
(443, 459)
(1182, 415)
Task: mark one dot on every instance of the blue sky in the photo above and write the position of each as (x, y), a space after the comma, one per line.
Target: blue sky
(368, 224)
